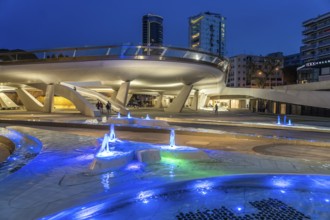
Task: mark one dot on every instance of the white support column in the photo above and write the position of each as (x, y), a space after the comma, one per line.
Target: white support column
(113, 95)
(202, 101)
(195, 101)
(122, 93)
(6, 102)
(49, 99)
(78, 100)
(30, 103)
(179, 101)
(207, 101)
(129, 96)
(160, 100)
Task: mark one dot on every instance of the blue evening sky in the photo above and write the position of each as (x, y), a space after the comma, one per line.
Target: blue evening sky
(253, 26)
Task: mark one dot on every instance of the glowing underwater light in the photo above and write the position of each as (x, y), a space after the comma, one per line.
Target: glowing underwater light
(203, 187)
(280, 182)
(144, 196)
(134, 166)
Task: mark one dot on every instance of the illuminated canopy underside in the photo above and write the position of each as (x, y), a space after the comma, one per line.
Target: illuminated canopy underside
(143, 74)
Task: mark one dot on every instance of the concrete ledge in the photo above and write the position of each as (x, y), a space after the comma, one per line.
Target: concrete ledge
(100, 165)
(138, 121)
(148, 155)
(7, 147)
(210, 133)
(186, 155)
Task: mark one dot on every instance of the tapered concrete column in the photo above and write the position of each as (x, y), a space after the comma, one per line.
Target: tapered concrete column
(179, 101)
(49, 99)
(30, 103)
(129, 96)
(6, 102)
(202, 101)
(79, 101)
(114, 95)
(207, 101)
(194, 105)
(160, 100)
(122, 93)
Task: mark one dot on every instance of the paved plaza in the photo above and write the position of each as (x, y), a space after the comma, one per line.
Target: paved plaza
(236, 142)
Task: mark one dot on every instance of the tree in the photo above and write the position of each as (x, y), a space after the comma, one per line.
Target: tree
(270, 68)
(262, 71)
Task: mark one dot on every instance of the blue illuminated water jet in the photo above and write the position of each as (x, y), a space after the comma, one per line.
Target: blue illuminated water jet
(112, 137)
(172, 138)
(289, 123)
(118, 116)
(105, 148)
(284, 120)
(278, 120)
(129, 115)
(147, 117)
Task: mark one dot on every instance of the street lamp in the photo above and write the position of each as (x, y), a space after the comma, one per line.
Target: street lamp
(276, 71)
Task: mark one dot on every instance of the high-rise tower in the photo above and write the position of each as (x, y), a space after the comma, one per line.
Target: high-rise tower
(152, 32)
(207, 31)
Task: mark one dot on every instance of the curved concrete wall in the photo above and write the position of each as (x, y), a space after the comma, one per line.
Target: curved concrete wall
(299, 97)
(7, 147)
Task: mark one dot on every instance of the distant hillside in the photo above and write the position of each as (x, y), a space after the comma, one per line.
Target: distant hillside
(19, 56)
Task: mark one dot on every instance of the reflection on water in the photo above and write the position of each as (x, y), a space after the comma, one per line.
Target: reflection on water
(228, 197)
(27, 147)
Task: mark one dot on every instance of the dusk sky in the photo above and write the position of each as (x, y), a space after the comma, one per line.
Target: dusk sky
(253, 26)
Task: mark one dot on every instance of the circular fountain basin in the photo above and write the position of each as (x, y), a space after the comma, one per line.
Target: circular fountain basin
(231, 197)
(138, 122)
(124, 120)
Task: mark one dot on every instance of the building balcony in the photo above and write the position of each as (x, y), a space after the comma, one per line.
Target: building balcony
(308, 56)
(307, 47)
(309, 30)
(309, 39)
(320, 27)
(324, 54)
(324, 35)
(324, 44)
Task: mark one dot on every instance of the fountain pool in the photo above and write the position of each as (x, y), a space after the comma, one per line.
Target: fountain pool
(229, 197)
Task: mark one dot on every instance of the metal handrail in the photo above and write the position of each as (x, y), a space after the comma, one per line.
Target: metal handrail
(112, 52)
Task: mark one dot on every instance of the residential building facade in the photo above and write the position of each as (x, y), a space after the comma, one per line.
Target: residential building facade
(315, 49)
(152, 30)
(242, 74)
(207, 32)
(291, 63)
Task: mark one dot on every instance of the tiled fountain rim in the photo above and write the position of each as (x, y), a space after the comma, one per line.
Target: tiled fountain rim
(165, 130)
(225, 182)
